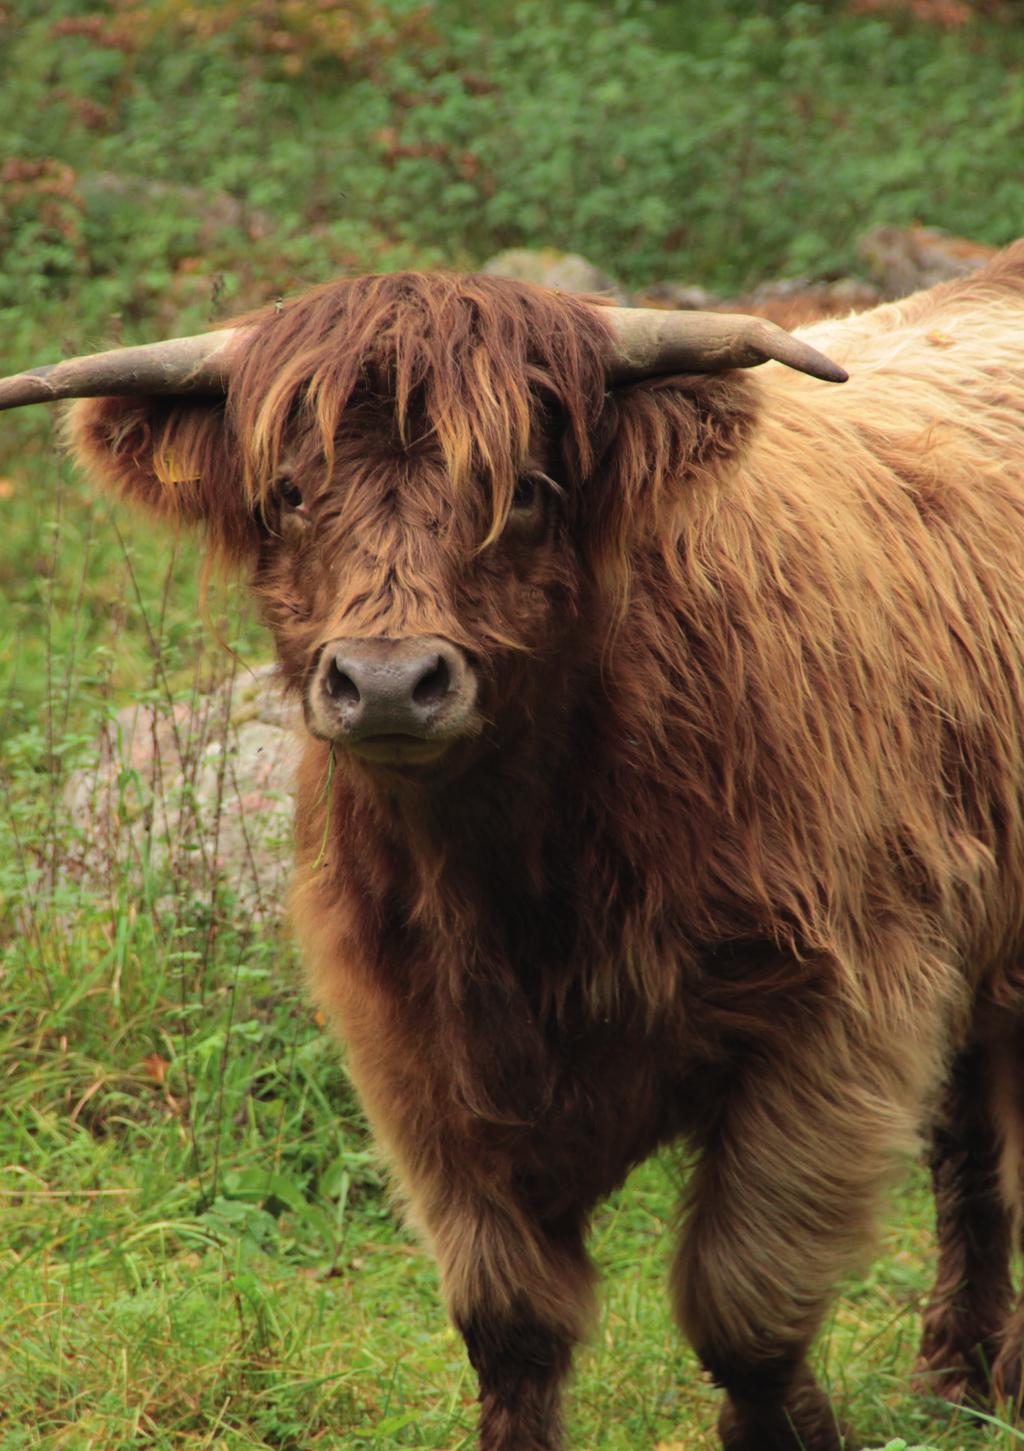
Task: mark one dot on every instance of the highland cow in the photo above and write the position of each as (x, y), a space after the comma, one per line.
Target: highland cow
(664, 781)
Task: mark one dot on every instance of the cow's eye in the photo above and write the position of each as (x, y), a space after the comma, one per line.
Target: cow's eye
(528, 516)
(290, 494)
(527, 490)
(529, 503)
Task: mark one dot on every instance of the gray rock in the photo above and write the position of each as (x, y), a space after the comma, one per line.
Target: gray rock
(550, 268)
(195, 793)
(677, 297)
(214, 210)
(903, 259)
(793, 301)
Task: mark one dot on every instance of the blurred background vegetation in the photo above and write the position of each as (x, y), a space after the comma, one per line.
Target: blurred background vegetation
(165, 160)
(195, 1242)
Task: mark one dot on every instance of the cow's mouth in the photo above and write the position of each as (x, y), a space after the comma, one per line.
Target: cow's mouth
(398, 750)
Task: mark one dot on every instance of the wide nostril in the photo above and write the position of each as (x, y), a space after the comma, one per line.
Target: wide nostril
(364, 689)
(340, 686)
(434, 684)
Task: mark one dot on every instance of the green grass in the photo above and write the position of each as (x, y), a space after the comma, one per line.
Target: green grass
(211, 1260)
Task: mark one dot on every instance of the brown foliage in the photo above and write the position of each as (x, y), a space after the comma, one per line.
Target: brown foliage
(48, 190)
(294, 35)
(99, 29)
(944, 14)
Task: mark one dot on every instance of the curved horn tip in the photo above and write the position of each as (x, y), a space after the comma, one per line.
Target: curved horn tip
(785, 347)
(647, 343)
(824, 368)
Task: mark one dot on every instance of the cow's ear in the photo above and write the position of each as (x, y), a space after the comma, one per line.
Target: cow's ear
(663, 438)
(177, 458)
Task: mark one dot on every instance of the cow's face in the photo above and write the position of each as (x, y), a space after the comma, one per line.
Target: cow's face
(419, 611)
(402, 467)
(436, 499)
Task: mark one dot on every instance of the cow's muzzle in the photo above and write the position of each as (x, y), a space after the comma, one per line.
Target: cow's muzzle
(393, 702)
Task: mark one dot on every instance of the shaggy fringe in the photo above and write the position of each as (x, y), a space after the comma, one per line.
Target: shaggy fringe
(464, 360)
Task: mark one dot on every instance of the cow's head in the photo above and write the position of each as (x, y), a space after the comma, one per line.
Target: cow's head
(426, 478)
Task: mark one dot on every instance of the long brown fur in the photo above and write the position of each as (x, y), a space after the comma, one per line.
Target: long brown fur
(738, 857)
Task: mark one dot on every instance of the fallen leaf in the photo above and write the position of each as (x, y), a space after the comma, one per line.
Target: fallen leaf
(6, 488)
(156, 1067)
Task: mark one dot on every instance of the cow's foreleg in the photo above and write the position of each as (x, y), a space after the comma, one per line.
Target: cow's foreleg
(971, 1299)
(520, 1319)
(516, 1280)
(782, 1206)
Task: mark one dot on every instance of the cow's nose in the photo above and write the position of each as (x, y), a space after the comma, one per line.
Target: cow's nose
(419, 687)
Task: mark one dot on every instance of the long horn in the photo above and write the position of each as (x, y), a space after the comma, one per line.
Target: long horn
(200, 364)
(649, 341)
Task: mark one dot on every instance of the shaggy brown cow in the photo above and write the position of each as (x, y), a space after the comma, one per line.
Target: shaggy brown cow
(665, 781)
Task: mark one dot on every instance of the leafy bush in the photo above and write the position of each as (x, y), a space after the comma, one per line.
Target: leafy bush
(41, 229)
(660, 140)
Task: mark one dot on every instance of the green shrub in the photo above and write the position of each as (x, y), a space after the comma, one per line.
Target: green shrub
(719, 145)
